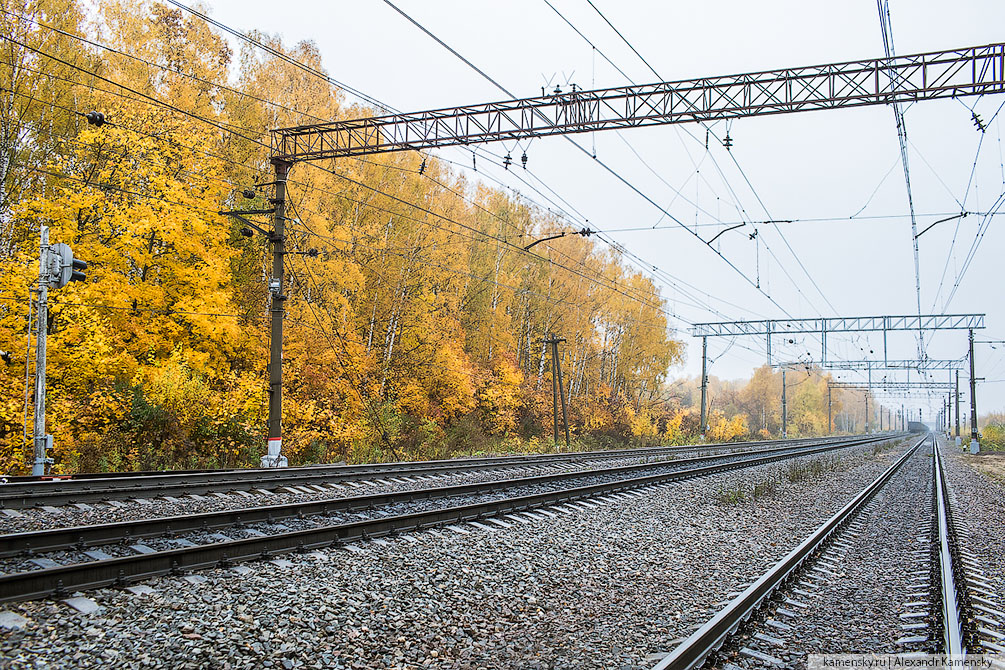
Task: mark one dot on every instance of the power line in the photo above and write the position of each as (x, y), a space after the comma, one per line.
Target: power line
(516, 289)
(159, 66)
(966, 194)
(610, 170)
(886, 26)
(329, 80)
(282, 56)
(358, 183)
(220, 126)
(112, 187)
(745, 178)
(971, 254)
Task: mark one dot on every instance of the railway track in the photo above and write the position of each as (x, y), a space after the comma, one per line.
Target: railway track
(787, 611)
(23, 492)
(387, 467)
(145, 562)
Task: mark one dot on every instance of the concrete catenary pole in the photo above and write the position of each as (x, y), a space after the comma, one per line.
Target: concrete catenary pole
(274, 457)
(973, 391)
(704, 384)
(39, 437)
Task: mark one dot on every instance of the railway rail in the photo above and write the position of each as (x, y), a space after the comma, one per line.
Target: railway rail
(133, 568)
(961, 602)
(386, 467)
(30, 492)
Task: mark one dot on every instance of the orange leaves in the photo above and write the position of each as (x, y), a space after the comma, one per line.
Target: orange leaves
(500, 397)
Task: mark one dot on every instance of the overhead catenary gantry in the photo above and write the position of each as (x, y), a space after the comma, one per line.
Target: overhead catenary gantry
(967, 71)
(926, 365)
(846, 324)
(821, 326)
(880, 81)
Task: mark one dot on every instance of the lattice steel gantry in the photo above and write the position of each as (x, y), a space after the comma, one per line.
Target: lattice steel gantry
(938, 74)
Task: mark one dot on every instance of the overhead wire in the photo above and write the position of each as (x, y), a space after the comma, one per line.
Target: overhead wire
(107, 79)
(715, 163)
(726, 182)
(195, 116)
(886, 27)
(952, 245)
(308, 69)
(610, 170)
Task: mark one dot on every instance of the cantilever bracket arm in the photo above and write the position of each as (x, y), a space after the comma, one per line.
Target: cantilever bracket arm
(961, 215)
(725, 230)
(585, 232)
(248, 222)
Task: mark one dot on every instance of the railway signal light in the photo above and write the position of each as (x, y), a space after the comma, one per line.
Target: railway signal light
(63, 267)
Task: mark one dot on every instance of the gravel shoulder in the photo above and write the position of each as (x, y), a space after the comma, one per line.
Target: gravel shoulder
(869, 591)
(584, 588)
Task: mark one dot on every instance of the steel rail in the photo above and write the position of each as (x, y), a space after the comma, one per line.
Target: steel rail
(30, 494)
(128, 569)
(952, 623)
(82, 537)
(692, 653)
(952, 583)
(477, 460)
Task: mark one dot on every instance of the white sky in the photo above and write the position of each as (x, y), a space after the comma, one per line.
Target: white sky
(809, 165)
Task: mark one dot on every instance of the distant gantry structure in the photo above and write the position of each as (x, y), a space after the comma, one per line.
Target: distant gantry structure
(842, 324)
(845, 324)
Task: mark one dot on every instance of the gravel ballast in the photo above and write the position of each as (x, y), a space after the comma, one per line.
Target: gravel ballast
(584, 588)
(135, 509)
(870, 591)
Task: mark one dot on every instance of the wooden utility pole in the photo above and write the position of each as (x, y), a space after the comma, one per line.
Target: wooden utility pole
(829, 431)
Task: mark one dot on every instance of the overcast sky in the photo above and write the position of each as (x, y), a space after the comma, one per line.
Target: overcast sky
(830, 165)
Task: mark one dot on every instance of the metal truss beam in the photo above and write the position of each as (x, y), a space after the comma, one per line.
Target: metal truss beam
(891, 386)
(954, 73)
(851, 324)
(920, 366)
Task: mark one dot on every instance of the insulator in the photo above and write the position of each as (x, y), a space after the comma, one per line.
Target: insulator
(248, 193)
(95, 118)
(507, 161)
(523, 160)
(422, 168)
